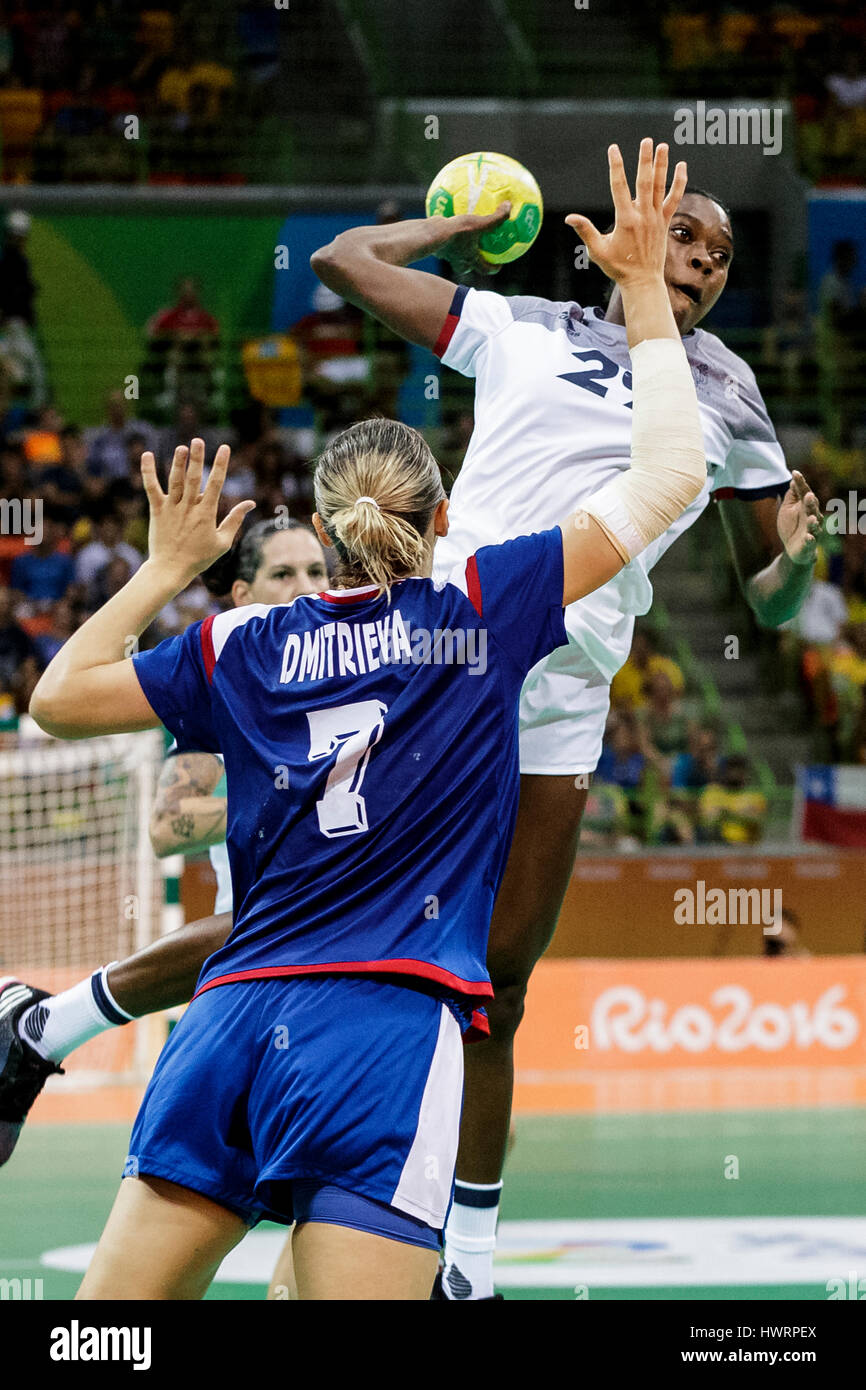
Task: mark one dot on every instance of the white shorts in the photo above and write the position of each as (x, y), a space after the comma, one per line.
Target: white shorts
(563, 711)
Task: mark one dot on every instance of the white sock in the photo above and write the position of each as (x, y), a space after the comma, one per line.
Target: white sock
(56, 1026)
(470, 1240)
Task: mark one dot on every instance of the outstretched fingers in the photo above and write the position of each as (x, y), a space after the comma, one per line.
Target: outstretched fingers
(217, 475)
(643, 184)
(177, 473)
(230, 525)
(149, 478)
(192, 482)
(804, 495)
(660, 175)
(619, 189)
(677, 189)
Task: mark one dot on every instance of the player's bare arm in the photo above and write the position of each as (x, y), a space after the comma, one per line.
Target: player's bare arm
(668, 465)
(186, 816)
(773, 547)
(369, 267)
(90, 686)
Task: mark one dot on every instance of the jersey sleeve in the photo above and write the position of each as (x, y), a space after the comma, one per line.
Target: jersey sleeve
(754, 465)
(174, 678)
(516, 588)
(475, 316)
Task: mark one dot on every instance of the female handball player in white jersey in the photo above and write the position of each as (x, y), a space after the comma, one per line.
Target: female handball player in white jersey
(553, 402)
(317, 1073)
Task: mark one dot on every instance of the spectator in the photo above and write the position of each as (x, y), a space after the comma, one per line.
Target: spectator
(17, 287)
(623, 758)
(15, 644)
(109, 580)
(663, 717)
(108, 544)
(16, 487)
(699, 765)
(188, 425)
(127, 499)
(68, 484)
(629, 686)
(824, 612)
(841, 342)
(847, 86)
(606, 821)
(282, 479)
(785, 942)
(21, 367)
(62, 624)
(186, 319)
(43, 572)
(195, 79)
(847, 669)
(41, 441)
(108, 445)
(337, 375)
(730, 812)
(183, 338)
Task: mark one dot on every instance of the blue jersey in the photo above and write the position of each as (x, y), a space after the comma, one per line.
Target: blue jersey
(371, 760)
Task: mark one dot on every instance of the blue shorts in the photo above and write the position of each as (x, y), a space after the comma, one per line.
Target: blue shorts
(346, 1081)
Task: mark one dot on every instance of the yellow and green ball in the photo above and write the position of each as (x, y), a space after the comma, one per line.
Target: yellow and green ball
(478, 183)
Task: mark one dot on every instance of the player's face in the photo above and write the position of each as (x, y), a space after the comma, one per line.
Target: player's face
(700, 249)
(292, 564)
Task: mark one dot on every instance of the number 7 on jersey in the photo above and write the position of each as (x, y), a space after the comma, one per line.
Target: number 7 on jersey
(351, 730)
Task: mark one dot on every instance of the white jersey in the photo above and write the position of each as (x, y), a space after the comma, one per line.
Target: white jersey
(553, 425)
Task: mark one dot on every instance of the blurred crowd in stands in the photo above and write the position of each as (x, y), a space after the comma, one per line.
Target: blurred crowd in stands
(813, 56)
(73, 514)
(72, 76)
(663, 777)
(199, 77)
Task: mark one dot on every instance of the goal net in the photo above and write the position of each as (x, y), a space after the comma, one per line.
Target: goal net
(79, 884)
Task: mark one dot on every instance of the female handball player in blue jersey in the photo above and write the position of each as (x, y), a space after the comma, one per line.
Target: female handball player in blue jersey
(370, 741)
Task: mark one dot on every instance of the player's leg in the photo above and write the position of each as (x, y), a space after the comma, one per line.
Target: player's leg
(524, 919)
(38, 1030)
(337, 1262)
(161, 1242)
(386, 1132)
(283, 1283)
(188, 1191)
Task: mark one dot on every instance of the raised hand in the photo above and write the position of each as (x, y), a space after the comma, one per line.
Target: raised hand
(183, 536)
(637, 246)
(799, 520)
(461, 249)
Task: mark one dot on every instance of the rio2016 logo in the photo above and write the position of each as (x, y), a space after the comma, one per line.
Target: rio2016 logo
(625, 1020)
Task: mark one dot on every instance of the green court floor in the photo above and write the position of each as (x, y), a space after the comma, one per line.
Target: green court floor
(743, 1206)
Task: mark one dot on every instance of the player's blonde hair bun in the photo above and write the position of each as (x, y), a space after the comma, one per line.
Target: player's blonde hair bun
(376, 487)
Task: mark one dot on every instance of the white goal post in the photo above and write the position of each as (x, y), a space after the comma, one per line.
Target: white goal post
(79, 883)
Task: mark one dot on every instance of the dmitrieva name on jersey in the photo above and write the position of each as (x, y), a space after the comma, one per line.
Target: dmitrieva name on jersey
(734, 125)
(355, 649)
(77, 1343)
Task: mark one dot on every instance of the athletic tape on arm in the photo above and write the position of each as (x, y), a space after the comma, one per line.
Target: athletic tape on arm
(668, 467)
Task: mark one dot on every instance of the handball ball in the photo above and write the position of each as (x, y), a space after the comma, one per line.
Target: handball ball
(479, 183)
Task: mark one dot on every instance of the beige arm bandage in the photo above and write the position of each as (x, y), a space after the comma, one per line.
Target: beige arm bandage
(668, 467)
